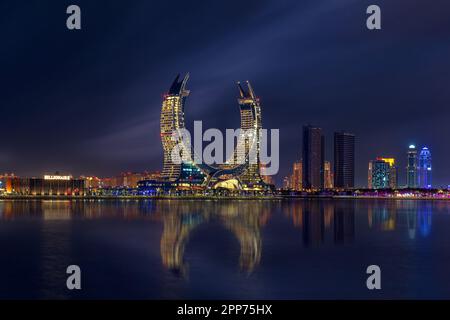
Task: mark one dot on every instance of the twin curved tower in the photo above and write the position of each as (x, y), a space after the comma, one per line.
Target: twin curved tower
(242, 170)
(172, 119)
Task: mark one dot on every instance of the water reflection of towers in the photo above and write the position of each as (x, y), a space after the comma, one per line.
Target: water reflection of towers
(317, 218)
(383, 216)
(243, 219)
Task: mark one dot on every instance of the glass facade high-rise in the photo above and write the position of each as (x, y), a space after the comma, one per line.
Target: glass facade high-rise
(424, 170)
(379, 172)
(382, 174)
(313, 158)
(411, 169)
(344, 160)
(393, 176)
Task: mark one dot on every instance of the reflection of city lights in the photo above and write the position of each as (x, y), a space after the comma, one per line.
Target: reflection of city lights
(244, 220)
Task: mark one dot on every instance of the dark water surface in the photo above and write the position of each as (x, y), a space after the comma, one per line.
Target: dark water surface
(169, 249)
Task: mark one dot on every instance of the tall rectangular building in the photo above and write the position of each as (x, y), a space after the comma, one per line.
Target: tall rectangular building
(344, 160)
(296, 177)
(380, 172)
(286, 183)
(392, 172)
(328, 175)
(313, 158)
(411, 169)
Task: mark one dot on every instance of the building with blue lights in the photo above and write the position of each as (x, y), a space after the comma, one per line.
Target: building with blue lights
(190, 178)
(379, 174)
(424, 169)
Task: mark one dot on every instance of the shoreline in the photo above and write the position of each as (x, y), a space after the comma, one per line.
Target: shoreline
(214, 198)
(366, 198)
(189, 198)
(392, 198)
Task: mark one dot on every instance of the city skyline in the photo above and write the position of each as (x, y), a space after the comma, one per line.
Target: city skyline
(418, 170)
(224, 158)
(89, 115)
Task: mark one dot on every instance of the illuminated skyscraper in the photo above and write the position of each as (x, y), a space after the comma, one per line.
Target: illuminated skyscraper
(328, 175)
(379, 170)
(344, 160)
(286, 183)
(411, 169)
(313, 157)
(424, 170)
(183, 168)
(172, 119)
(296, 177)
(369, 175)
(382, 175)
(393, 182)
(248, 145)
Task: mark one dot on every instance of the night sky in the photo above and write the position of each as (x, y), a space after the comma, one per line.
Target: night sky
(88, 102)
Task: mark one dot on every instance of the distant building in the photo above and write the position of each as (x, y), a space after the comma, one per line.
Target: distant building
(130, 179)
(154, 175)
(49, 185)
(10, 183)
(411, 169)
(191, 175)
(328, 175)
(107, 182)
(424, 169)
(393, 176)
(268, 179)
(124, 180)
(296, 177)
(379, 173)
(313, 158)
(92, 182)
(286, 183)
(55, 185)
(190, 178)
(344, 160)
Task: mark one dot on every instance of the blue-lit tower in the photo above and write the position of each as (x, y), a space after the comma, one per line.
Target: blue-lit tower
(424, 172)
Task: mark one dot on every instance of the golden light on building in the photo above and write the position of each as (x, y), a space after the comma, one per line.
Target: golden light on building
(391, 161)
(296, 177)
(328, 175)
(57, 177)
(393, 178)
(172, 119)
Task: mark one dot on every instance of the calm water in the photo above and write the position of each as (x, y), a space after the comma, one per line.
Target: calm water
(299, 249)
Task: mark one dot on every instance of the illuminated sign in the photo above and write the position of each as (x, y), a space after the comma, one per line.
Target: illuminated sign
(47, 177)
